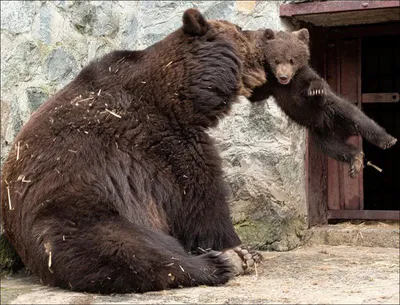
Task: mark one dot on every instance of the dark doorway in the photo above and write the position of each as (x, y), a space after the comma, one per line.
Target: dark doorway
(380, 74)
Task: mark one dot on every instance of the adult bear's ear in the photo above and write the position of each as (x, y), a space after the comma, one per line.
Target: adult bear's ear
(269, 34)
(194, 23)
(303, 35)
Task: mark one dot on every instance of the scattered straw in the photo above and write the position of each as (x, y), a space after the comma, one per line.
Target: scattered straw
(98, 93)
(84, 100)
(22, 179)
(113, 113)
(9, 198)
(121, 59)
(255, 269)
(18, 145)
(183, 270)
(369, 164)
(168, 64)
(49, 264)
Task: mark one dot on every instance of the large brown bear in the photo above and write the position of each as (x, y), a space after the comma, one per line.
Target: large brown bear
(114, 180)
(308, 100)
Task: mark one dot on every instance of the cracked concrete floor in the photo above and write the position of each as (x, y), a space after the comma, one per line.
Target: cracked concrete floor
(308, 275)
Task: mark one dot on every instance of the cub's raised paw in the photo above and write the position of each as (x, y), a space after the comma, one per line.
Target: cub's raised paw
(356, 165)
(243, 259)
(316, 88)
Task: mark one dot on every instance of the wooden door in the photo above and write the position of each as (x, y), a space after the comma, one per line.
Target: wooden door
(331, 194)
(343, 72)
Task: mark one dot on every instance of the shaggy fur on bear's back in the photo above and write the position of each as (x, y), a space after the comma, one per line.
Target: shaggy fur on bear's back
(308, 100)
(114, 179)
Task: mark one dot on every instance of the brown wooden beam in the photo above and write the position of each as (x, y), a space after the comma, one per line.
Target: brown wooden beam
(293, 9)
(393, 97)
(364, 214)
(363, 31)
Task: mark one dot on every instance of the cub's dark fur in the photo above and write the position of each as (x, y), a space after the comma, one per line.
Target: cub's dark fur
(308, 100)
(114, 179)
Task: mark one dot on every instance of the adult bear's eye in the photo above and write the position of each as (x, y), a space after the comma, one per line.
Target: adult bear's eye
(291, 61)
(239, 28)
(277, 62)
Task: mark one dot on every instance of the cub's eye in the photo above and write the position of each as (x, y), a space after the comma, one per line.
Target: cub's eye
(277, 62)
(239, 28)
(291, 61)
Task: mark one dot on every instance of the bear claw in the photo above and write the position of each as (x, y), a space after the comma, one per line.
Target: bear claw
(316, 88)
(389, 143)
(243, 259)
(249, 257)
(356, 165)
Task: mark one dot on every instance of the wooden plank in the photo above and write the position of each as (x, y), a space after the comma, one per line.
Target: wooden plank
(350, 88)
(316, 171)
(363, 31)
(296, 9)
(360, 139)
(392, 97)
(349, 69)
(364, 214)
(332, 75)
(316, 184)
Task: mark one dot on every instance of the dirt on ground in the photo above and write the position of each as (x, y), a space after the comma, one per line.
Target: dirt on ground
(308, 275)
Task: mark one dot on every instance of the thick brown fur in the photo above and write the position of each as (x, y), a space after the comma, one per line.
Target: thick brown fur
(308, 100)
(114, 179)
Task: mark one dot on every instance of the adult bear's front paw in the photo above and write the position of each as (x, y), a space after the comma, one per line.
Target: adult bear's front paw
(243, 258)
(317, 88)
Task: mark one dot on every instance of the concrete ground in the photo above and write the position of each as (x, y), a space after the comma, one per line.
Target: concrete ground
(318, 274)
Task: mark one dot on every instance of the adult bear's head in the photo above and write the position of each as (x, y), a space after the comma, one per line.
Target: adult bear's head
(247, 47)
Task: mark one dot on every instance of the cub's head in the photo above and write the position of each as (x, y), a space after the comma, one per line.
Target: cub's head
(287, 53)
(248, 46)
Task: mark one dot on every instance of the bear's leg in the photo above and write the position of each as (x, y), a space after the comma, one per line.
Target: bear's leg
(361, 123)
(341, 151)
(115, 256)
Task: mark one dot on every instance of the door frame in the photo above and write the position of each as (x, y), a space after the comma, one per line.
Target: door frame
(316, 163)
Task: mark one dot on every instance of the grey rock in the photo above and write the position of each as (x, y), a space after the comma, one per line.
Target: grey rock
(17, 16)
(129, 31)
(82, 16)
(60, 66)
(19, 64)
(36, 96)
(220, 10)
(106, 21)
(45, 24)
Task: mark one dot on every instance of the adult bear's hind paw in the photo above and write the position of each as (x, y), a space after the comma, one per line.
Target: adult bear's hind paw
(243, 258)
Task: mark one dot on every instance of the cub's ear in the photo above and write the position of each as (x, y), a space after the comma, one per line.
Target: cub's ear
(269, 34)
(303, 35)
(194, 23)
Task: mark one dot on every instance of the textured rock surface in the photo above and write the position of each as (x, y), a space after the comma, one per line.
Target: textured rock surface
(45, 44)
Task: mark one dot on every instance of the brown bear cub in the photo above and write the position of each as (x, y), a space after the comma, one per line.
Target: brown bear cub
(114, 180)
(308, 100)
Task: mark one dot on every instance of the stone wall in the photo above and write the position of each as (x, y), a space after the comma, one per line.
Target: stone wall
(45, 43)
